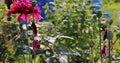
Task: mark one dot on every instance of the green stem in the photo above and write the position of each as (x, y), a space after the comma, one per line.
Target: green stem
(115, 41)
(100, 38)
(29, 54)
(24, 58)
(30, 59)
(18, 61)
(34, 57)
(34, 60)
(92, 60)
(109, 53)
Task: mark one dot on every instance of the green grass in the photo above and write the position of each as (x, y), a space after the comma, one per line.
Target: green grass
(113, 8)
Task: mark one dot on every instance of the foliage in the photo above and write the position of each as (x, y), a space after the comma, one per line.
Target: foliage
(70, 18)
(6, 48)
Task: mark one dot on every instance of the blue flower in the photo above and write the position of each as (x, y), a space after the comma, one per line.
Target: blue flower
(51, 5)
(97, 4)
(94, 12)
(107, 14)
(42, 13)
(96, 1)
(41, 4)
(96, 7)
(23, 21)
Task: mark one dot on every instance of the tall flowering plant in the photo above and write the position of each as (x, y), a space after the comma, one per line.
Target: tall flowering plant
(27, 10)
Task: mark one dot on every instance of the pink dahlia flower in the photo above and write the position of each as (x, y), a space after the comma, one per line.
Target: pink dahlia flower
(25, 8)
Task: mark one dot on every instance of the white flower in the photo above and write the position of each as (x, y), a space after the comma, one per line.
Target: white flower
(51, 39)
(37, 38)
(30, 32)
(63, 59)
(24, 27)
(31, 48)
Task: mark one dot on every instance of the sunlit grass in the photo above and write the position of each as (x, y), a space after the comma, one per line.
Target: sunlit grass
(113, 8)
